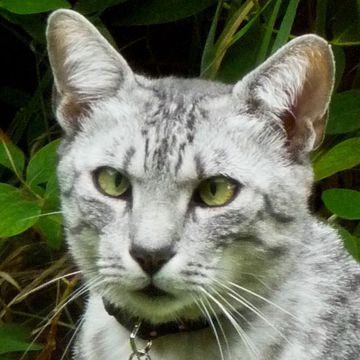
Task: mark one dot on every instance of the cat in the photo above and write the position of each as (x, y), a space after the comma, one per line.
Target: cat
(185, 206)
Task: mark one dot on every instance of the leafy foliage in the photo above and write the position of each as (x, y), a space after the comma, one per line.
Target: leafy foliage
(344, 203)
(159, 11)
(17, 214)
(15, 338)
(42, 165)
(342, 156)
(220, 40)
(24, 7)
(344, 114)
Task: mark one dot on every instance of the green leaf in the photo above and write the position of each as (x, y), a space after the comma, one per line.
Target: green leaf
(342, 156)
(265, 43)
(16, 213)
(52, 193)
(252, 22)
(42, 165)
(15, 338)
(346, 23)
(286, 25)
(241, 57)
(11, 156)
(340, 62)
(50, 226)
(209, 49)
(229, 36)
(344, 115)
(50, 221)
(344, 203)
(95, 6)
(351, 242)
(33, 24)
(23, 7)
(140, 12)
(320, 20)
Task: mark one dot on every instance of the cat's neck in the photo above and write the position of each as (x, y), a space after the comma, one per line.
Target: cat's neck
(145, 330)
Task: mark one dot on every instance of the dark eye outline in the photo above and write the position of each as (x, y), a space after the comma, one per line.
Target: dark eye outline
(95, 176)
(197, 201)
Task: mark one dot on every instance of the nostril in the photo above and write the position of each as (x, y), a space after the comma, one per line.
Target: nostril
(151, 260)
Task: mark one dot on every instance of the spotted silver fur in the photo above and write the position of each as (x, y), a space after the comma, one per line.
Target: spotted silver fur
(168, 134)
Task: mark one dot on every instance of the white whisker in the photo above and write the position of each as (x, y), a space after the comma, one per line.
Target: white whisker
(256, 277)
(47, 284)
(42, 215)
(208, 316)
(262, 298)
(243, 301)
(220, 325)
(232, 307)
(237, 312)
(248, 344)
(73, 336)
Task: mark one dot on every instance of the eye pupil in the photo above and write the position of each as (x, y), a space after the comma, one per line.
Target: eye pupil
(213, 188)
(118, 179)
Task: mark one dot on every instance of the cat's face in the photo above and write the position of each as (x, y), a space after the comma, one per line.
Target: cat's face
(165, 160)
(174, 189)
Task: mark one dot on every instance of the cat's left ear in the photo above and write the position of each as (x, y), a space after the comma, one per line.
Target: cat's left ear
(295, 84)
(85, 66)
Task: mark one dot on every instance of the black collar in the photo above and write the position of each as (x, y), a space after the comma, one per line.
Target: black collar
(148, 331)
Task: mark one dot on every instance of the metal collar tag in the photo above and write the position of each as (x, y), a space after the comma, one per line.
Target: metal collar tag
(139, 354)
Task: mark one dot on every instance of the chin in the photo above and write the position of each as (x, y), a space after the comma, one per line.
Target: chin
(156, 306)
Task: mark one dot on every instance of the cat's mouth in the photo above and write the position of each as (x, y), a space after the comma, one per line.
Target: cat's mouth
(152, 291)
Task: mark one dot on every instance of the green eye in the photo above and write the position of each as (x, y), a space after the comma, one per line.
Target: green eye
(111, 182)
(216, 191)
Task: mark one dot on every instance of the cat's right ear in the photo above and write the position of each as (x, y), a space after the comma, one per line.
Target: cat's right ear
(295, 85)
(86, 67)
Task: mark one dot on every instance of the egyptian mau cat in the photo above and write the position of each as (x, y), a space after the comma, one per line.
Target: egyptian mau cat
(186, 207)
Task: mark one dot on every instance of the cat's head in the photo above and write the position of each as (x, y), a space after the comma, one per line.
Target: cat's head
(175, 189)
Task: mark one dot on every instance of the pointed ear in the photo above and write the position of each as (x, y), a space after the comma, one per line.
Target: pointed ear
(295, 84)
(85, 66)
